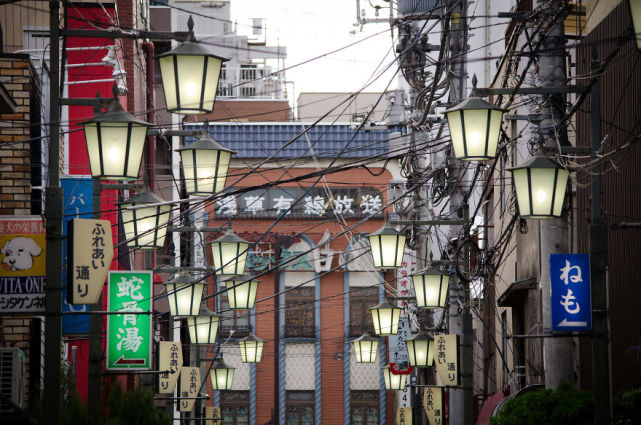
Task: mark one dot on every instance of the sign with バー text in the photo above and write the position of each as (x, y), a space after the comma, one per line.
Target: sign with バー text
(446, 358)
(570, 292)
(91, 254)
(433, 405)
(129, 334)
(170, 362)
(189, 387)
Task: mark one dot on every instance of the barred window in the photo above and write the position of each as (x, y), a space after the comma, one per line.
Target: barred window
(299, 312)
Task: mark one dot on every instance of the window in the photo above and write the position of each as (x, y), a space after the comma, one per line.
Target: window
(248, 91)
(247, 72)
(299, 312)
(300, 408)
(365, 407)
(361, 299)
(225, 90)
(223, 72)
(236, 320)
(234, 407)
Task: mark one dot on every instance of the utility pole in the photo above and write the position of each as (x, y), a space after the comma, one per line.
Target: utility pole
(53, 225)
(598, 259)
(558, 353)
(460, 319)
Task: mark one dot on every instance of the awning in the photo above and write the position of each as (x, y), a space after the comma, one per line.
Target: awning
(488, 408)
(512, 295)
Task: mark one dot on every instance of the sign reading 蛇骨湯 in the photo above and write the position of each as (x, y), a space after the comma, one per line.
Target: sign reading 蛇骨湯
(129, 335)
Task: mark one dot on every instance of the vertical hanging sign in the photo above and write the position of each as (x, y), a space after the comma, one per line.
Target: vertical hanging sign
(433, 405)
(91, 253)
(170, 362)
(446, 358)
(129, 335)
(189, 387)
(404, 416)
(213, 415)
(570, 291)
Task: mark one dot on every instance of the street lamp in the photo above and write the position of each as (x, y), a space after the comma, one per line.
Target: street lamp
(393, 381)
(635, 12)
(385, 317)
(229, 253)
(145, 226)
(241, 292)
(184, 294)
(115, 141)
(205, 164)
(475, 127)
(430, 288)
(204, 327)
(387, 246)
(190, 77)
(251, 349)
(540, 185)
(222, 376)
(365, 348)
(420, 348)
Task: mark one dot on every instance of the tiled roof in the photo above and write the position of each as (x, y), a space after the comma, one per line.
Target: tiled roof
(325, 141)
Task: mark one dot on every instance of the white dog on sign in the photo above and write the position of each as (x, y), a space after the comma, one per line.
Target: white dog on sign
(19, 253)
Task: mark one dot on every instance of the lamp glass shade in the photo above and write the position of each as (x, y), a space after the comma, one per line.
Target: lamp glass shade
(365, 348)
(387, 247)
(145, 227)
(115, 143)
(540, 185)
(205, 165)
(430, 288)
(204, 327)
(392, 381)
(222, 376)
(241, 293)
(385, 317)
(475, 127)
(251, 349)
(229, 253)
(190, 78)
(635, 11)
(421, 350)
(184, 295)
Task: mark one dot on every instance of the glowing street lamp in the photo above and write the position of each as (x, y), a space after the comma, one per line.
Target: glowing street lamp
(540, 185)
(387, 246)
(385, 317)
(205, 164)
(190, 77)
(204, 327)
(251, 349)
(184, 294)
(222, 376)
(145, 226)
(475, 127)
(365, 348)
(430, 288)
(421, 350)
(229, 253)
(115, 143)
(241, 292)
(393, 381)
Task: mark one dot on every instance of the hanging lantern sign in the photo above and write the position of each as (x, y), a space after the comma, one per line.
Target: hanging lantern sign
(170, 362)
(189, 386)
(446, 359)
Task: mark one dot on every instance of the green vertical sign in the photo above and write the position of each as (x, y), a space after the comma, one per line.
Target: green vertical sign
(129, 335)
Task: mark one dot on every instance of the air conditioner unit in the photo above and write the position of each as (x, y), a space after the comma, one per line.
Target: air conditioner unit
(12, 376)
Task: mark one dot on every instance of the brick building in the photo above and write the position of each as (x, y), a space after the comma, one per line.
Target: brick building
(316, 273)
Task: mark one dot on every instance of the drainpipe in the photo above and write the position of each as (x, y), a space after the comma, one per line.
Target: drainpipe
(148, 48)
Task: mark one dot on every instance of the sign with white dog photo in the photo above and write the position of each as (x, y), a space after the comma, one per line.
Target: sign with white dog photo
(23, 264)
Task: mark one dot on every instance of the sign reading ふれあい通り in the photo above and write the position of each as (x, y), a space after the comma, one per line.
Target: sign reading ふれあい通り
(129, 334)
